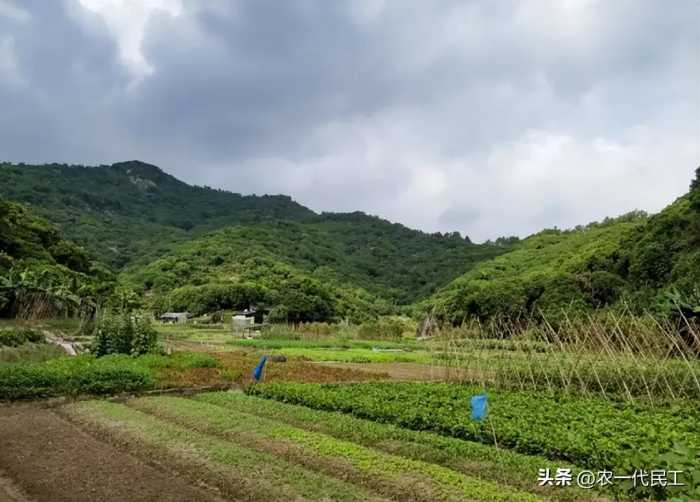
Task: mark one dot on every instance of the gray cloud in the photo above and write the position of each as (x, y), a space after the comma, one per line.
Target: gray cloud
(489, 118)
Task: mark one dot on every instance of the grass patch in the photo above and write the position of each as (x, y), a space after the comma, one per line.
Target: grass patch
(30, 352)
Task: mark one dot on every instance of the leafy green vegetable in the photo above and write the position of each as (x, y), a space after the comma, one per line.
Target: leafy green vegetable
(588, 432)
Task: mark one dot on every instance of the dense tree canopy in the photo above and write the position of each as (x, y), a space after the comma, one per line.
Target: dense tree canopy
(132, 212)
(42, 274)
(646, 263)
(179, 247)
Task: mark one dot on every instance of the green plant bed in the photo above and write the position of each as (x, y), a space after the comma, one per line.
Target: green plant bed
(87, 374)
(589, 432)
(323, 343)
(73, 375)
(480, 460)
(382, 471)
(357, 355)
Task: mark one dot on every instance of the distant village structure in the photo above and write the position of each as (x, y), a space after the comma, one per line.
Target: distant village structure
(174, 317)
(244, 321)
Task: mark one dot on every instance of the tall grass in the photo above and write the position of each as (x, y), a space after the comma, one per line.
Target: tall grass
(386, 328)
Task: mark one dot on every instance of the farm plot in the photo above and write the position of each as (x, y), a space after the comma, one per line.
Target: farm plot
(590, 432)
(247, 448)
(46, 458)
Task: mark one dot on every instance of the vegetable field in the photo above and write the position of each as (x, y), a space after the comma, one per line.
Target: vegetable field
(592, 433)
(251, 448)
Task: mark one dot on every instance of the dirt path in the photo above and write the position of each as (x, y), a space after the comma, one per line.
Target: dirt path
(10, 492)
(45, 458)
(404, 371)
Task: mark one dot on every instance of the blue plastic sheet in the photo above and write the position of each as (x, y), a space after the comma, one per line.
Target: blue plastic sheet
(258, 371)
(480, 406)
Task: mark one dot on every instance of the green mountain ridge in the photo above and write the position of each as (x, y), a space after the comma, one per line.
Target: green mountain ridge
(130, 209)
(134, 213)
(194, 248)
(646, 263)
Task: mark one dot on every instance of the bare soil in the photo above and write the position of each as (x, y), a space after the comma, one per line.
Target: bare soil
(402, 371)
(45, 458)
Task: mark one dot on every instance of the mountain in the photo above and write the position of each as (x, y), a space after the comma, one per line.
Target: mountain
(195, 248)
(26, 237)
(131, 209)
(131, 214)
(634, 261)
(276, 265)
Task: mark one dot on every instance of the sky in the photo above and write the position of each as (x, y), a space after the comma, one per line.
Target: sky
(490, 117)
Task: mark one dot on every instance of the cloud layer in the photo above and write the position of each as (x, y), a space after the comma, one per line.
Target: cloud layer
(491, 118)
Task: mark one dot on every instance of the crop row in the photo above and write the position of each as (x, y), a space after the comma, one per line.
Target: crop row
(388, 475)
(589, 432)
(90, 375)
(506, 467)
(242, 473)
(324, 343)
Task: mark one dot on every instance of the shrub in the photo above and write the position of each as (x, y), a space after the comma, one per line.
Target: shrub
(124, 333)
(385, 328)
(17, 336)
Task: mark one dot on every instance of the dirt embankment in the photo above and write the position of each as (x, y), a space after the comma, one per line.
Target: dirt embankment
(403, 371)
(45, 458)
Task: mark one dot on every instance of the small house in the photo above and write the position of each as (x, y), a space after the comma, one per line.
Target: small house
(246, 320)
(253, 313)
(174, 317)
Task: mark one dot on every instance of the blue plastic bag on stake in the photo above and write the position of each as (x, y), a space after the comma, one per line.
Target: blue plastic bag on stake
(258, 371)
(480, 406)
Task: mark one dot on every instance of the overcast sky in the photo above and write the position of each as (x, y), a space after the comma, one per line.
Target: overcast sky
(491, 117)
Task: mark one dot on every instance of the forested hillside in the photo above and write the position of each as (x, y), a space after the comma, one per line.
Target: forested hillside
(132, 209)
(395, 262)
(366, 271)
(133, 212)
(644, 263)
(277, 265)
(40, 272)
(198, 249)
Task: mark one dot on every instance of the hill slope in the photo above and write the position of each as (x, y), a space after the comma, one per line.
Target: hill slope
(266, 255)
(276, 264)
(131, 209)
(40, 272)
(133, 212)
(636, 259)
